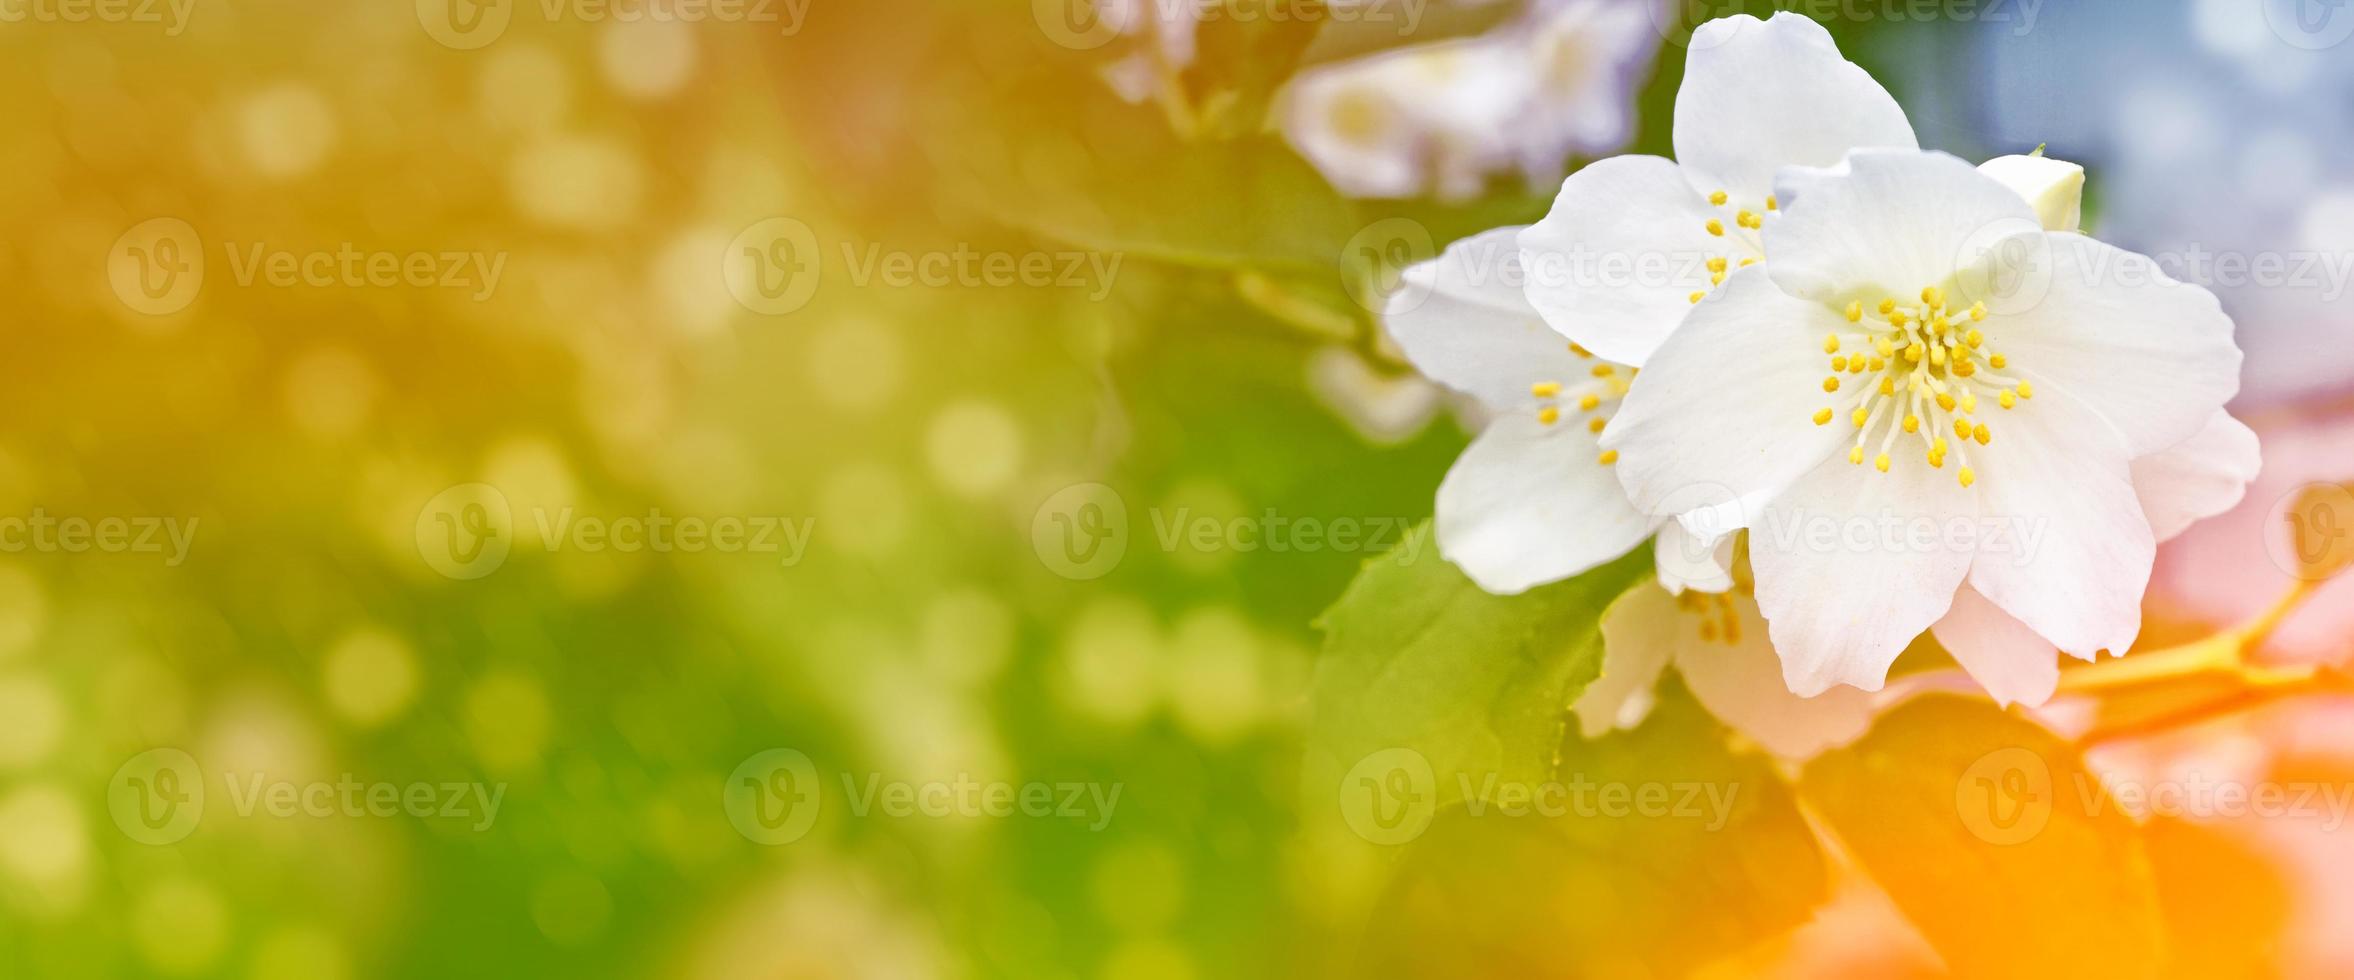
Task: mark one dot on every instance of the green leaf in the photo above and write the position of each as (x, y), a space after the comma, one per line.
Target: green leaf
(1418, 658)
(1995, 841)
(1704, 853)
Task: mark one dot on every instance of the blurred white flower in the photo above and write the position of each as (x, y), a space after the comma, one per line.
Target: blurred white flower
(1444, 117)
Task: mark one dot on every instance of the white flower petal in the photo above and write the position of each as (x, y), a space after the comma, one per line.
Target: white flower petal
(1463, 320)
(2199, 478)
(1725, 409)
(2054, 188)
(1885, 223)
(1735, 674)
(1529, 503)
(1760, 95)
(1852, 565)
(1686, 561)
(2069, 551)
(1639, 634)
(1999, 652)
(2152, 356)
(1615, 262)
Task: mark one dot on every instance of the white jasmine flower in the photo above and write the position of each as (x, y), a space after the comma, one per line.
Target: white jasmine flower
(1633, 242)
(1718, 642)
(1925, 431)
(1532, 500)
(1444, 117)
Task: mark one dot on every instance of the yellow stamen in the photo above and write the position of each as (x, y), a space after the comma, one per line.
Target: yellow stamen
(1855, 311)
(1589, 403)
(1933, 297)
(1823, 416)
(2026, 390)
(1886, 306)
(2009, 398)
(1856, 455)
(1998, 362)
(1880, 462)
(1974, 338)
(1609, 456)
(1772, 204)
(1716, 227)
(1831, 383)
(1839, 362)
(1696, 297)
(1912, 423)
(1595, 424)
(1548, 415)
(1719, 198)
(1545, 389)
(1862, 417)
(1716, 264)
(1968, 477)
(1830, 343)
(1981, 434)
(1945, 401)
(1603, 370)
(1978, 311)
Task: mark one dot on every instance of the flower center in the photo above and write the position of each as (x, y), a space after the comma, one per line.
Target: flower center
(1719, 621)
(1917, 371)
(1743, 240)
(1603, 387)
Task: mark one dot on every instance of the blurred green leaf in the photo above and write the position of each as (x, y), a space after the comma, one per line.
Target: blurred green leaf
(1718, 860)
(1417, 657)
(1229, 204)
(1991, 835)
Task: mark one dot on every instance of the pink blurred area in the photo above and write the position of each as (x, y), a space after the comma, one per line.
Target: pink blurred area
(2229, 569)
